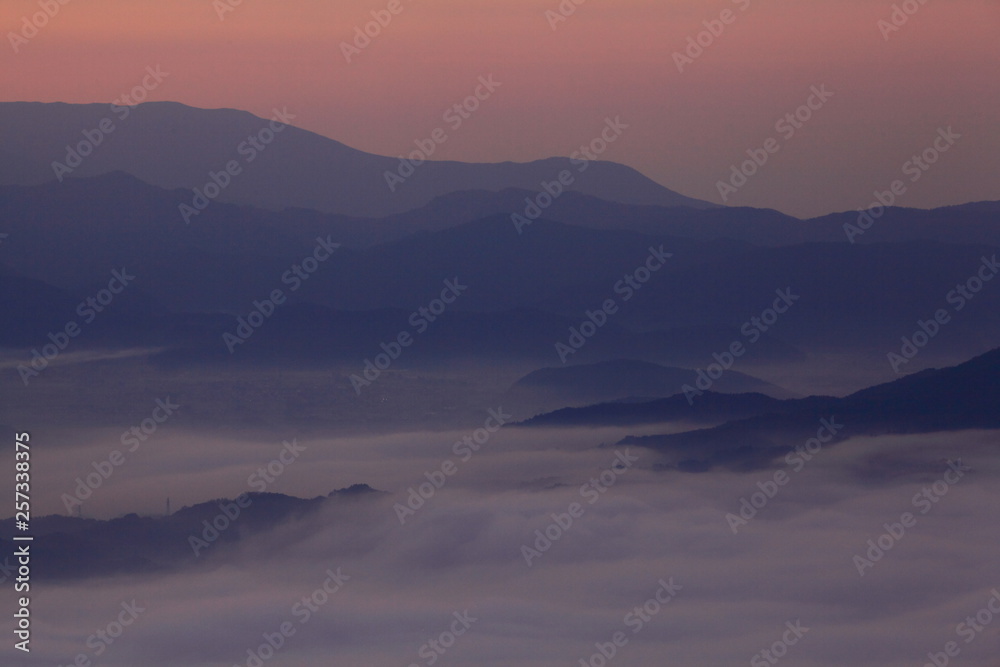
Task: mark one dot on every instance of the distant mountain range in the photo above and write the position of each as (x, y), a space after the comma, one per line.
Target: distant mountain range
(172, 145)
(968, 223)
(525, 292)
(528, 289)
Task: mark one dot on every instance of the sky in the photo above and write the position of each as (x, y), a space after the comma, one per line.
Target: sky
(559, 80)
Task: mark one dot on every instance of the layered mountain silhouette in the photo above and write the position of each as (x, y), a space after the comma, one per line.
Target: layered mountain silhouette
(71, 235)
(172, 145)
(962, 397)
(530, 288)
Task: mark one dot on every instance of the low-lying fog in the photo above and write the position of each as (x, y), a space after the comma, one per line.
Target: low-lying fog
(456, 571)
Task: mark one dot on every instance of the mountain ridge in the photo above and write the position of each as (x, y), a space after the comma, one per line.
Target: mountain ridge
(295, 168)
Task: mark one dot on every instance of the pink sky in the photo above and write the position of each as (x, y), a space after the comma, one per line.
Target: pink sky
(610, 58)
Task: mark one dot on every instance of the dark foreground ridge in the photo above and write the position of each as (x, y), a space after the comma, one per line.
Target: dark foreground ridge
(750, 430)
(962, 397)
(69, 548)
